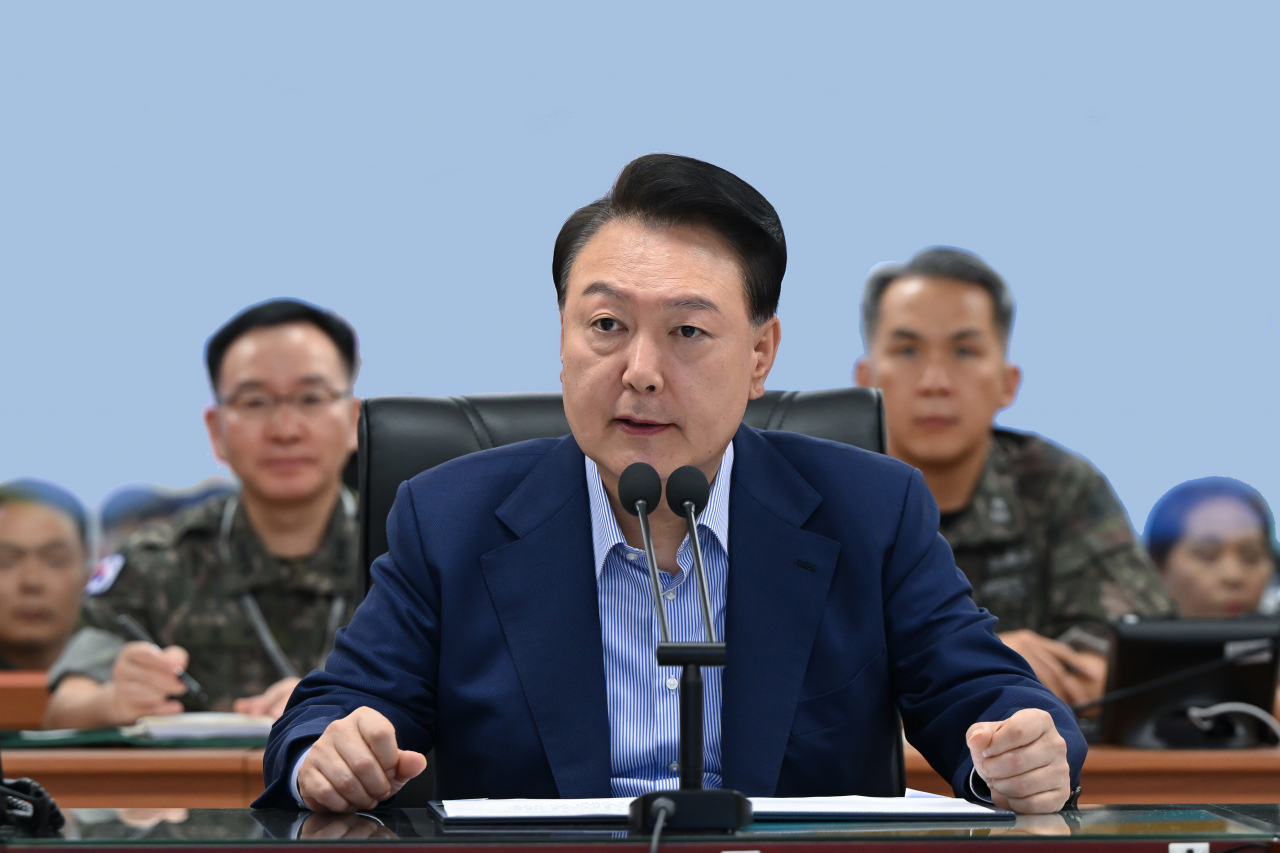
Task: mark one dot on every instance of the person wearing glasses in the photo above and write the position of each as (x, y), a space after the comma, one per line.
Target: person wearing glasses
(244, 591)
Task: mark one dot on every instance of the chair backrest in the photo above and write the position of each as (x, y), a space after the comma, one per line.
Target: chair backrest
(401, 437)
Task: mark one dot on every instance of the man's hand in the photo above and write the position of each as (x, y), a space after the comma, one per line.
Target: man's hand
(1023, 760)
(356, 764)
(270, 702)
(1074, 677)
(142, 681)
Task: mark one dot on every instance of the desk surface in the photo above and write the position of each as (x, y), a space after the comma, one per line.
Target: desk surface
(1134, 829)
(232, 778)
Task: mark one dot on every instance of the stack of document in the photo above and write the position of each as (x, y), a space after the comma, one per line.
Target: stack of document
(914, 806)
(200, 725)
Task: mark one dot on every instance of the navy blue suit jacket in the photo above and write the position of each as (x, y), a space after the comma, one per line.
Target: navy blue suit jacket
(481, 633)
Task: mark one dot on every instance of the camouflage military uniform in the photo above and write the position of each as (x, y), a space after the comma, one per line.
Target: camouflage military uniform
(1047, 545)
(175, 582)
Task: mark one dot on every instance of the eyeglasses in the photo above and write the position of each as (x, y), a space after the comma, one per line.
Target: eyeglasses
(261, 406)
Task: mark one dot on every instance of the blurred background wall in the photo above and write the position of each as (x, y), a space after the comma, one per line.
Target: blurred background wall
(408, 164)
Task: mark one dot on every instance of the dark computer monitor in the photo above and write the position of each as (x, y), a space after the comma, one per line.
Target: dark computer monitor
(1160, 668)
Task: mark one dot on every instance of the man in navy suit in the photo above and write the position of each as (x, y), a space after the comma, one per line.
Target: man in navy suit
(510, 625)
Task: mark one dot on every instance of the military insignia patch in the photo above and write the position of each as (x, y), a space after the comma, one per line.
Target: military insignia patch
(104, 574)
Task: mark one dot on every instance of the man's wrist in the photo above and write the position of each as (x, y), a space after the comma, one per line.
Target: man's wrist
(293, 777)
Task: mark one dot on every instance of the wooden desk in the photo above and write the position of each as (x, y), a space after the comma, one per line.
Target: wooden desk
(229, 778)
(1115, 774)
(142, 778)
(23, 696)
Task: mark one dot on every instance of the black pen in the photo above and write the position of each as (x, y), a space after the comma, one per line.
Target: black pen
(133, 629)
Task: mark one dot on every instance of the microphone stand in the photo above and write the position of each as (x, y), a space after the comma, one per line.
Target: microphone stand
(691, 807)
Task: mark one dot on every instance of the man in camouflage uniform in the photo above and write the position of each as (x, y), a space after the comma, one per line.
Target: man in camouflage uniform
(244, 591)
(1037, 530)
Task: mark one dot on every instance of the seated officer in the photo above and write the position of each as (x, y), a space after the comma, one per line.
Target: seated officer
(1213, 541)
(1036, 529)
(247, 590)
(511, 624)
(44, 562)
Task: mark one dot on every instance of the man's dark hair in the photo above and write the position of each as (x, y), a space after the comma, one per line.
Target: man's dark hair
(938, 262)
(277, 312)
(665, 189)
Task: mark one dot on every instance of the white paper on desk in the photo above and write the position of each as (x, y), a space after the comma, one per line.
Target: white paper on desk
(863, 808)
(916, 805)
(601, 808)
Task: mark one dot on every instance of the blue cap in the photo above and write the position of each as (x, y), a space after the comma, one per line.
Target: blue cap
(1168, 519)
(133, 502)
(37, 490)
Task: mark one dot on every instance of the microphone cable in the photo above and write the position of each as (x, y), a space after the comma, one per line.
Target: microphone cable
(662, 808)
(1202, 718)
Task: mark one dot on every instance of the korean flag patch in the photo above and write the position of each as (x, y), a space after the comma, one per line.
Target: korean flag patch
(104, 574)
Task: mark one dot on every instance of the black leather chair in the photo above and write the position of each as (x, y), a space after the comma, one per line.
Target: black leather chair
(402, 436)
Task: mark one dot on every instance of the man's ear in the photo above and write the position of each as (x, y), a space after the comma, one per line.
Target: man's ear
(1011, 381)
(862, 373)
(562, 346)
(765, 352)
(214, 429)
(354, 443)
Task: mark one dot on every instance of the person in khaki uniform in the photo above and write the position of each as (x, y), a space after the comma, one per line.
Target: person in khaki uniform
(245, 591)
(1036, 529)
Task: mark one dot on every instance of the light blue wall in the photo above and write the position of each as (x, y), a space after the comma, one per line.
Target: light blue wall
(408, 164)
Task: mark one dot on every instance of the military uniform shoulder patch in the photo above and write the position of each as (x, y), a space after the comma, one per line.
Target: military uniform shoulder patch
(104, 574)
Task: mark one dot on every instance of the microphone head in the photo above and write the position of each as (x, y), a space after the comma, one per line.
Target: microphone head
(687, 484)
(640, 482)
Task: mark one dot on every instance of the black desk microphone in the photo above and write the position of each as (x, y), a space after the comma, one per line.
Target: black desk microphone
(691, 807)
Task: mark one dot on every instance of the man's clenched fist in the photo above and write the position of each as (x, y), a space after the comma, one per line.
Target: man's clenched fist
(1023, 760)
(356, 764)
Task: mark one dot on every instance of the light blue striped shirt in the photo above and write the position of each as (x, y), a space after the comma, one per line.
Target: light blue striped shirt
(644, 699)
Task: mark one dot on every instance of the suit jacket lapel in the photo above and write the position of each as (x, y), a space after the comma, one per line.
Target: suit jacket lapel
(543, 587)
(778, 579)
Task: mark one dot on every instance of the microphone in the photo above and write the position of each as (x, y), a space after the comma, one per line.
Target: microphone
(687, 494)
(691, 806)
(640, 489)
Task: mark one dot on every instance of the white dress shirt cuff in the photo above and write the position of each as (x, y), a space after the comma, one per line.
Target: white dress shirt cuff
(977, 785)
(293, 777)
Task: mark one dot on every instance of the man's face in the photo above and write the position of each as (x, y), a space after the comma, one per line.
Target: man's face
(284, 452)
(42, 573)
(659, 356)
(941, 364)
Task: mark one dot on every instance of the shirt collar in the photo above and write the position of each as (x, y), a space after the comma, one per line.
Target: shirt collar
(606, 534)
